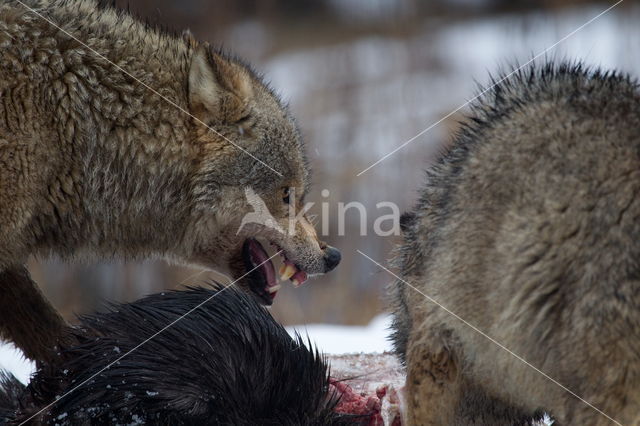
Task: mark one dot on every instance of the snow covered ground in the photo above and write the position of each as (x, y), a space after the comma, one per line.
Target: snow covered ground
(11, 359)
(337, 339)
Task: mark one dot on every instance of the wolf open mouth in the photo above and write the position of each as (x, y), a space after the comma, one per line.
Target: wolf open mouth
(261, 273)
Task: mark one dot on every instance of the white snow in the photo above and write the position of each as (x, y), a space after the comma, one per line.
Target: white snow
(12, 360)
(338, 339)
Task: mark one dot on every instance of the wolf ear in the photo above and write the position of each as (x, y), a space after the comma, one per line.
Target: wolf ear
(217, 87)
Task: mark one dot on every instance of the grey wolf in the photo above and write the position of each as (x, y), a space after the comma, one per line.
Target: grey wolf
(211, 367)
(529, 229)
(93, 165)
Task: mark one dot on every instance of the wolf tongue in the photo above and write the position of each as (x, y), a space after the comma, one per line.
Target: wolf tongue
(260, 257)
(270, 275)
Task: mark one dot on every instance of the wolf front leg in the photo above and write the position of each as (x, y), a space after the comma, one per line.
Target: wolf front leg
(26, 317)
(433, 386)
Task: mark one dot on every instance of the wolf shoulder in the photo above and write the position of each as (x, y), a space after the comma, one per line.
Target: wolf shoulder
(535, 202)
(548, 175)
(527, 230)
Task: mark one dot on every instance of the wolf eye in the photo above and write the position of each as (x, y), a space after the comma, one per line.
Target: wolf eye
(285, 195)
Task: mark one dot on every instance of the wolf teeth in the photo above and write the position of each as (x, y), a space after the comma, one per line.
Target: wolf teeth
(299, 278)
(274, 288)
(287, 271)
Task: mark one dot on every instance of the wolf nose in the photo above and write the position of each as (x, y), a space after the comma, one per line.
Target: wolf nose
(332, 257)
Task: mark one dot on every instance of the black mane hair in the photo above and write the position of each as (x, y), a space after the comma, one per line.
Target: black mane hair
(227, 362)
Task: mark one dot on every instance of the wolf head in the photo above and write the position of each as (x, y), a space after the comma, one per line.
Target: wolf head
(251, 182)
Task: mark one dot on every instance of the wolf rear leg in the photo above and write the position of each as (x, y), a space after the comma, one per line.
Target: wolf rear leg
(433, 385)
(26, 317)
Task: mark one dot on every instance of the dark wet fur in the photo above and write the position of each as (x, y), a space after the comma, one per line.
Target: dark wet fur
(227, 362)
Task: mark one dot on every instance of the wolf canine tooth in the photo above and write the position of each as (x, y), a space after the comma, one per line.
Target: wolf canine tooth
(297, 283)
(273, 289)
(287, 272)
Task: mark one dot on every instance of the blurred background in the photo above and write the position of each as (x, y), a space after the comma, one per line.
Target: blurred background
(362, 77)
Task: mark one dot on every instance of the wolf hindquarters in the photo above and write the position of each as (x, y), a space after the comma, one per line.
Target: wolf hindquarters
(528, 230)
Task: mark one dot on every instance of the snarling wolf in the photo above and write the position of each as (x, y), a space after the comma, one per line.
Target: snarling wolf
(210, 367)
(121, 140)
(529, 230)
